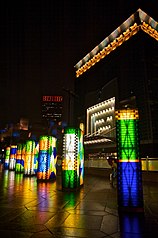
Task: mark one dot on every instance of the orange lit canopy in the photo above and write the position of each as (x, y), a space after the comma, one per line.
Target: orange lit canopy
(139, 20)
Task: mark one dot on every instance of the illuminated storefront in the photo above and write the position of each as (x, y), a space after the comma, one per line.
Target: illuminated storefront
(130, 194)
(47, 158)
(73, 159)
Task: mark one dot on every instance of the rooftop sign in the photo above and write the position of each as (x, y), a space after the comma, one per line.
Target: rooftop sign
(52, 99)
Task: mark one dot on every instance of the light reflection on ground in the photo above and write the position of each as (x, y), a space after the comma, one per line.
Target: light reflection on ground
(30, 207)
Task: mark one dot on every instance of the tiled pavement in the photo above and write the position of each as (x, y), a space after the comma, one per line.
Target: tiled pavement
(36, 209)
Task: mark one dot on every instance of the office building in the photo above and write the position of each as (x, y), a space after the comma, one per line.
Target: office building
(52, 109)
(125, 66)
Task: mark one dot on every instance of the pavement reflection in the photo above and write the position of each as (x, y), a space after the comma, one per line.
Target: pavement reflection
(29, 208)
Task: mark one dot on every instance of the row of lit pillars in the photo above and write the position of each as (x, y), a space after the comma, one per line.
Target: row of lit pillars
(33, 159)
(129, 175)
(130, 192)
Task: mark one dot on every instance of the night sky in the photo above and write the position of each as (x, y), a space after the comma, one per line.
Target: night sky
(41, 41)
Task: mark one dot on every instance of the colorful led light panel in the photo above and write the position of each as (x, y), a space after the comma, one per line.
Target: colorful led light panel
(7, 156)
(19, 167)
(47, 158)
(81, 158)
(73, 158)
(29, 158)
(129, 174)
(127, 137)
(129, 184)
(36, 158)
(53, 157)
(12, 158)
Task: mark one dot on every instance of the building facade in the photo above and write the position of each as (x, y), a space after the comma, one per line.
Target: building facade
(125, 66)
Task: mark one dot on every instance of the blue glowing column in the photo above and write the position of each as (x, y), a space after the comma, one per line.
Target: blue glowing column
(130, 191)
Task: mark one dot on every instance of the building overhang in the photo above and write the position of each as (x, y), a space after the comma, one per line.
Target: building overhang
(136, 22)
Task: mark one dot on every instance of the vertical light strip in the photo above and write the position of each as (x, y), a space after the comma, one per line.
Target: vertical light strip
(73, 162)
(19, 167)
(47, 158)
(130, 192)
(12, 159)
(7, 156)
(29, 158)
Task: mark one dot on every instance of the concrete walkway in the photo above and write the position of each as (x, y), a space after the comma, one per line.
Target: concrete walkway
(31, 209)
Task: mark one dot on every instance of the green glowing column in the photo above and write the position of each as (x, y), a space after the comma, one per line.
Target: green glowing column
(29, 158)
(72, 163)
(130, 195)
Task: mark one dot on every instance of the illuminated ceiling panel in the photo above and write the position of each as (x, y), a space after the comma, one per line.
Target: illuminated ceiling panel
(137, 21)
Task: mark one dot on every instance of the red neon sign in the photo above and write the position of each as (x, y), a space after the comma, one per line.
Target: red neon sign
(52, 98)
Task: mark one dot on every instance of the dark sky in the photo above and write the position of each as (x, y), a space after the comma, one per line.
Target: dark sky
(41, 41)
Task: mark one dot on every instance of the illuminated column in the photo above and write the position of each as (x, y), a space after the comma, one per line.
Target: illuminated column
(130, 191)
(19, 167)
(7, 156)
(12, 158)
(53, 156)
(47, 158)
(36, 158)
(81, 154)
(23, 155)
(72, 163)
(29, 158)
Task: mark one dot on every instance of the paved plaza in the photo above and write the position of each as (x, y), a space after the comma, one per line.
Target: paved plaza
(36, 209)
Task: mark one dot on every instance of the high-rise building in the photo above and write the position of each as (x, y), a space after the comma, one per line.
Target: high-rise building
(125, 66)
(52, 109)
(52, 115)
